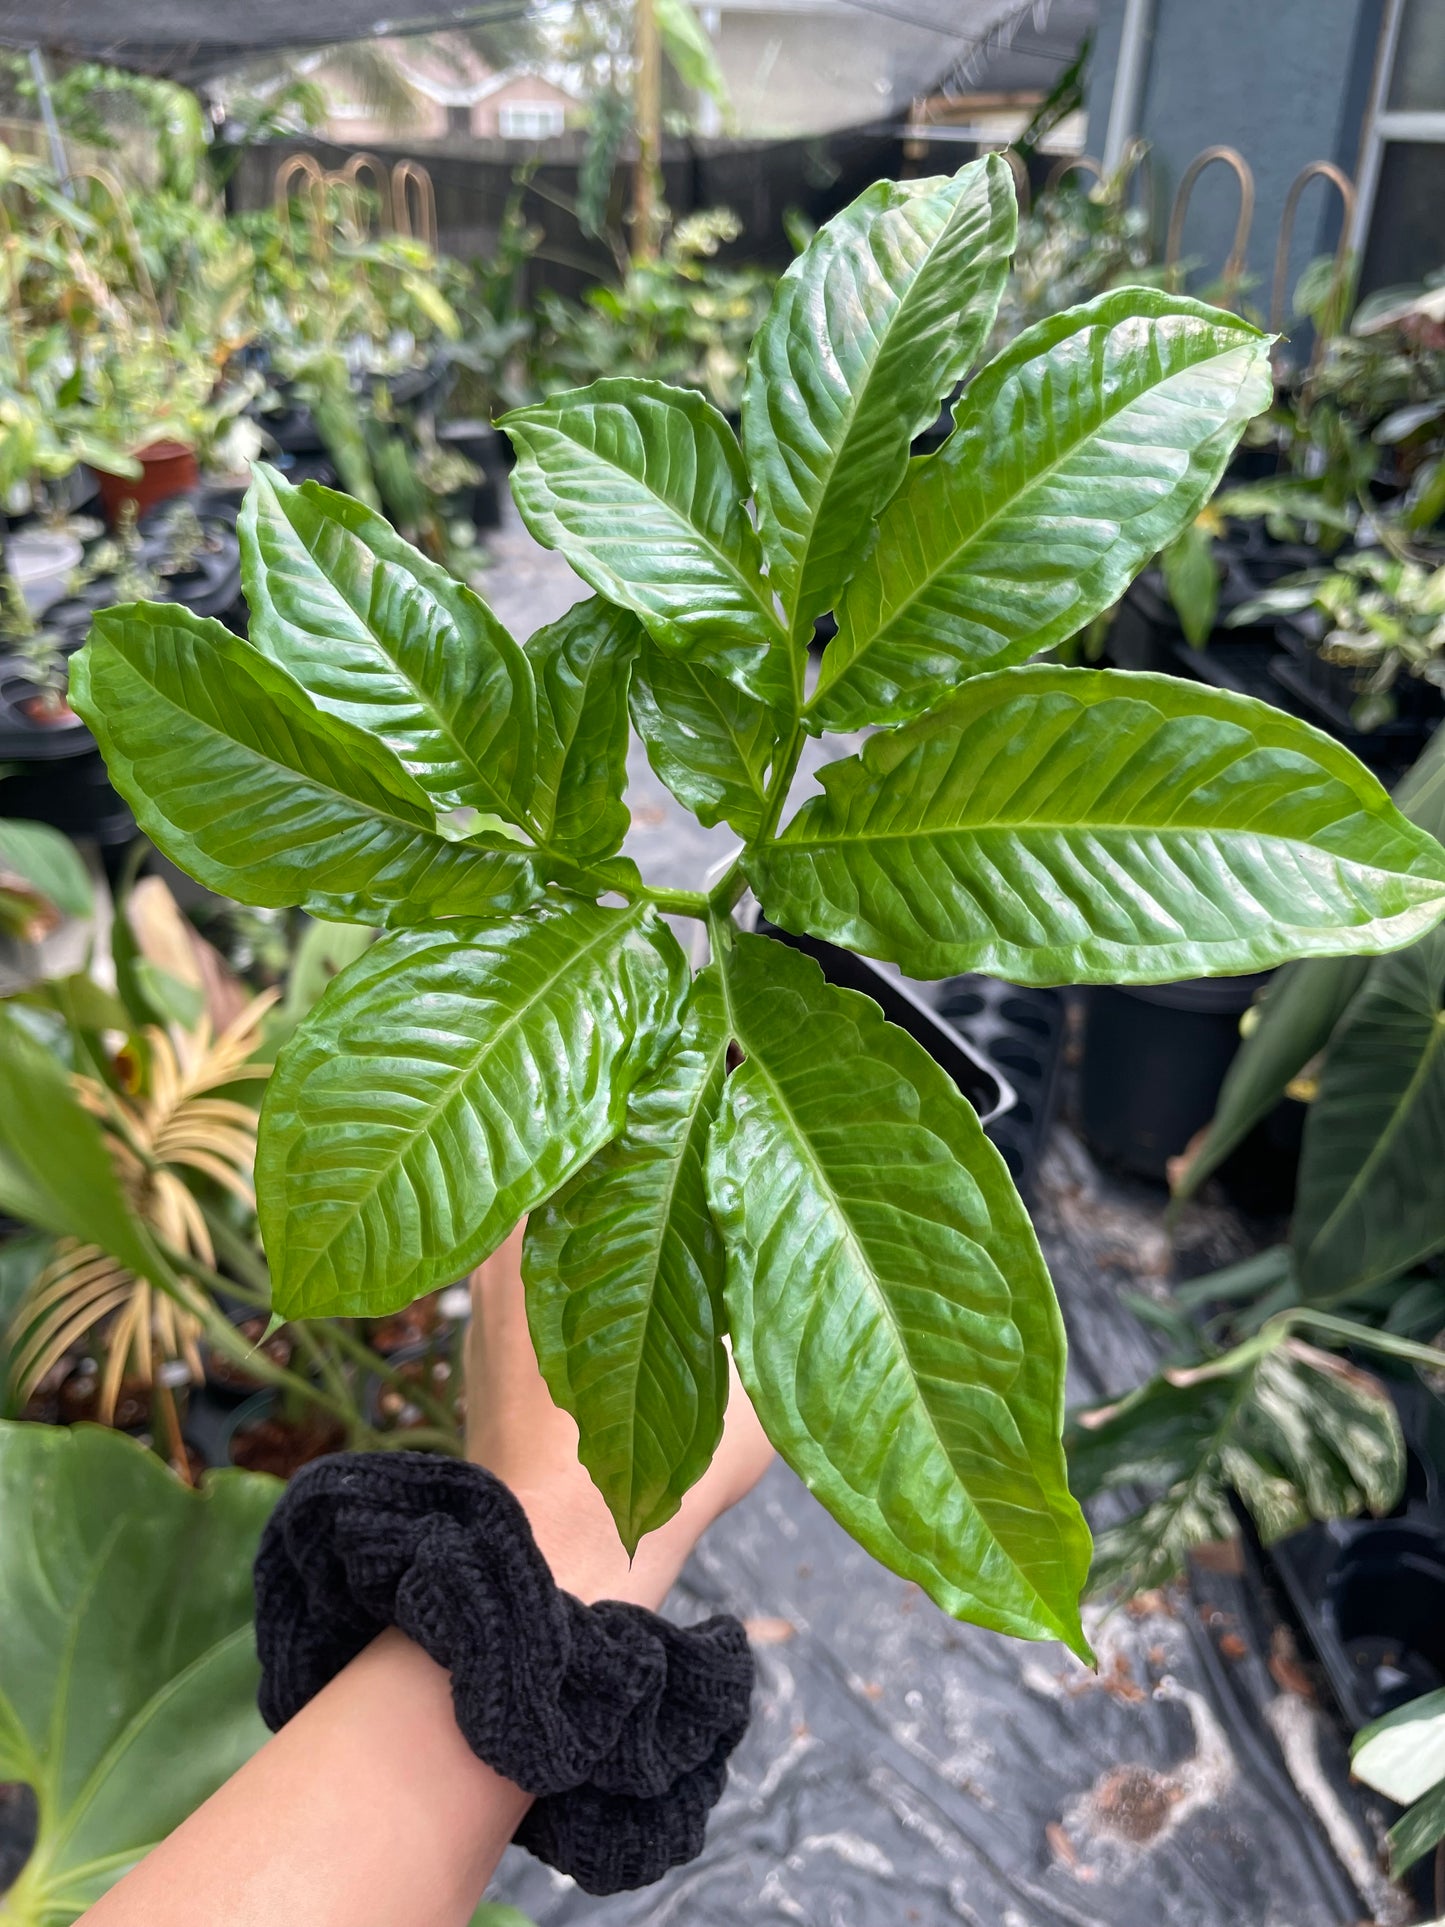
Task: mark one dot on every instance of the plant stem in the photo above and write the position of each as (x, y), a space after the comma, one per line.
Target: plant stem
(357, 1349)
(682, 903)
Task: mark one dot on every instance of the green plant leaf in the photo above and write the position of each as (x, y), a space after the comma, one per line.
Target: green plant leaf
(1080, 452)
(868, 330)
(1298, 1433)
(1056, 826)
(55, 1171)
(624, 1287)
(385, 639)
(707, 740)
(446, 1083)
(1294, 1022)
(262, 797)
(128, 1666)
(41, 872)
(1402, 1755)
(582, 665)
(1192, 581)
(1417, 1832)
(1370, 1202)
(642, 488)
(875, 1242)
(689, 49)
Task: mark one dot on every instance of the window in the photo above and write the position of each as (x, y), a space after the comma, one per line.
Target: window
(1400, 218)
(531, 120)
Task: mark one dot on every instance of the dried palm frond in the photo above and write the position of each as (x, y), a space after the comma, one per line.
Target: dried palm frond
(173, 1124)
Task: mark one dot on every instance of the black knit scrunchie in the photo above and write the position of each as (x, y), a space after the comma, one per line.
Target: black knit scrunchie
(620, 1723)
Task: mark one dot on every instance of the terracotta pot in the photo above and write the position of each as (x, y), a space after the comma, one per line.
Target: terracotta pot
(167, 469)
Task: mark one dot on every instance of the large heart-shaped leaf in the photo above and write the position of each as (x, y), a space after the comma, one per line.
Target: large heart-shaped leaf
(582, 664)
(55, 1171)
(890, 1312)
(259, 795)
(1371, 1200)
(445, 1084)
(380, 636)
(708, 741)
(128, 1664)
(1077, 454)
(868, 330)
(624, 1287)
(1056, 826)
(642, 488)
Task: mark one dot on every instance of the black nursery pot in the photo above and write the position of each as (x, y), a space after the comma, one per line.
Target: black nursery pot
(1155, 1056)
(56, 775)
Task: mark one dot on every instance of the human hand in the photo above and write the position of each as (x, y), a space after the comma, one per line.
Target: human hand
(515, 1431)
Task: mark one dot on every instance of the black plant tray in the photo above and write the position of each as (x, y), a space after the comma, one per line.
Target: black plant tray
(1370, 1593)
(1021, 1033)
(914, 1008)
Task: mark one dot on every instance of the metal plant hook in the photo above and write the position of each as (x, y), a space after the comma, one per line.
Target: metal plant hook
(1244, 174)
(405, 176)
(1023, 187)
(1069, 164)
(380, 186)
(1326, 170)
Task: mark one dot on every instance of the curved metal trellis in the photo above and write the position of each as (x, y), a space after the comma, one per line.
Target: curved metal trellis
(1244, 174)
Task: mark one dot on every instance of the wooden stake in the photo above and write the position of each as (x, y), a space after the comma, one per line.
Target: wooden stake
(647, 111)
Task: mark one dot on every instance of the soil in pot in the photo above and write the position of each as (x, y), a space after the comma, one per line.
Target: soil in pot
(56, 773)
(167, 469)
(263, 1439)
(1155, 1056)
(227, 1378)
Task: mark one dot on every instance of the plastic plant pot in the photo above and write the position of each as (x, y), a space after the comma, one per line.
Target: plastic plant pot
(1155, 1056)
(167, 469)
(261, 1438)
(56, 773)
(40, 561)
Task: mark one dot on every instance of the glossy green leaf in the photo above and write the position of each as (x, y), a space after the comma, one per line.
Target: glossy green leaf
(890, 1311)
(1297, 1433)
(1056, 826)
(41, 875)
(389, 641)
(55, 1171)
(258, 795)
(1080, 452)
(1402, 1755)
(1417, 1832)
(624, 1287)
(707, 740)
(642, 487)
(1294, 1022)
(446, 1083)
(1370, 1201)
(868, 330)
(582, 665)
(128, 1663)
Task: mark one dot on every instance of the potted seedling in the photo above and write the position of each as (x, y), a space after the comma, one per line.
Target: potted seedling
(748, 1151)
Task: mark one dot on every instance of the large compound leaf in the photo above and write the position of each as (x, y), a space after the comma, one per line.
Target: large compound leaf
(55, 1171)
(1371, 1195)
(642, 488)
(445, 1084)
(890, 1312)
(1080, 452)
(582, 664)
(868, 330)
(1298, 1433)
(1055, 826)
(624, 1274)
(1293, 1024)
(707, 740)
(380, 636)
(128, 1662)
(258, 795)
